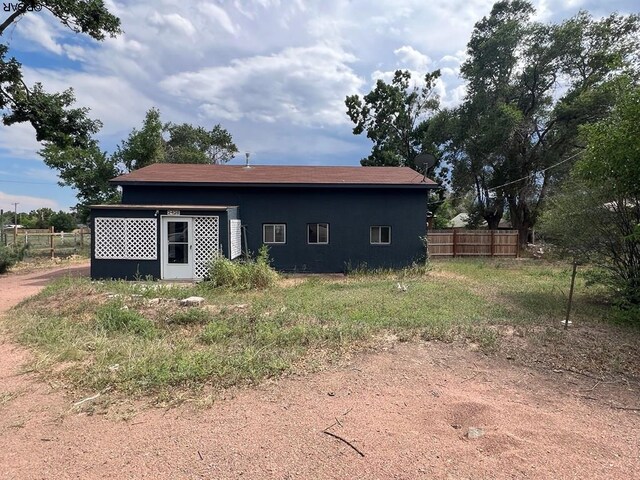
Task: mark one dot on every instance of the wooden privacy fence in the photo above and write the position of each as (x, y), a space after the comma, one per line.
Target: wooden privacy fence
(47, 240)
(490, 243)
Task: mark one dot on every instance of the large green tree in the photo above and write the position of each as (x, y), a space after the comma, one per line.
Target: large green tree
(530, 86)
(156, 142)
(143, 147)
(596, 215)
(192, 144)
(52, 115)
(394, 117)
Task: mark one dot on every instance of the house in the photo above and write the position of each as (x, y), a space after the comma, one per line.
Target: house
(174, 218)
(461, 221)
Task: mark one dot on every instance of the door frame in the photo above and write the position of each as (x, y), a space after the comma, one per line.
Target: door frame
(164, 220)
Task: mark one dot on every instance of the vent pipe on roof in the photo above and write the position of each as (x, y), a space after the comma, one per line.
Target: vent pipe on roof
(246, 165)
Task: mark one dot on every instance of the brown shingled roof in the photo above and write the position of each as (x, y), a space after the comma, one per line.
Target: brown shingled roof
(274, 174)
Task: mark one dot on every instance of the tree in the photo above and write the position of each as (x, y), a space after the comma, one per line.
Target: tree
(86, 169)
(530, 86)
(145, 146)
(596, 216)
(51, 115)
(63, 221)
(184, 143)
(39, 218)
(395, 118)
(189, 144)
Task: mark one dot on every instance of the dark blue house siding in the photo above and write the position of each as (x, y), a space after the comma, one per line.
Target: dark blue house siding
(124, 269)
(349, 211)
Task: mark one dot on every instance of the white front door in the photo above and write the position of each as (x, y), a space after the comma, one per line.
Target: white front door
(177, 248)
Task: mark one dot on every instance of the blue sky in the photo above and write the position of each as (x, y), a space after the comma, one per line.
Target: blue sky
(274, 73)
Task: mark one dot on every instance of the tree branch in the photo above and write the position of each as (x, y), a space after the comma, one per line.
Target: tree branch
(20, 11)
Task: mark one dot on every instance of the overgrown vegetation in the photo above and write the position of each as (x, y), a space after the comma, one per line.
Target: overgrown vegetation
(10, 256)
(135, 338)
(242, 275)
(595, 217)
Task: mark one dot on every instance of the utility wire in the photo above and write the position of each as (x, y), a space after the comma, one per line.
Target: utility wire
(513, 181)
(30, 183)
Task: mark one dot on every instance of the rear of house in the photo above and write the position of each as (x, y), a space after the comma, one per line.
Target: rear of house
(174, 218)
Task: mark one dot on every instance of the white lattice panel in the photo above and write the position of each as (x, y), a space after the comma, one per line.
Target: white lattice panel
(206, 238)
(142, 238)
(126, 238)
(235, 239)
(110, 237)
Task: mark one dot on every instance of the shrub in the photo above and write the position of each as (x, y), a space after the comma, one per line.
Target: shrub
(9, 256)
(116, 317)
(243, 275)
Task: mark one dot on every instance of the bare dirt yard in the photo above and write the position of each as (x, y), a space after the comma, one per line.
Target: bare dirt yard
(407, 408)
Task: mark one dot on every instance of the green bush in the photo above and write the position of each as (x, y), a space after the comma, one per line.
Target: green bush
(116, 317)
(9, 256)
(243, 275)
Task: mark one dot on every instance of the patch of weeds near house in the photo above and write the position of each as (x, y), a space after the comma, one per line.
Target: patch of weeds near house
(135, 337)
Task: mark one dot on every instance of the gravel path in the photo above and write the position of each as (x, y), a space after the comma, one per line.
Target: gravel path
(407, 408)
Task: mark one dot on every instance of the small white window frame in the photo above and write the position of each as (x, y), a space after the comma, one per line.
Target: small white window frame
(264, 233)
(318, 234)
(379, 227)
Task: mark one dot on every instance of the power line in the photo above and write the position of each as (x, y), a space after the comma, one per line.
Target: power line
(534, 173)
(29, 183)
(514, 181)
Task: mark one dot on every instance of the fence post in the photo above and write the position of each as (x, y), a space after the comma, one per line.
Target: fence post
(15, 237)
(455, 242)
(52, 241)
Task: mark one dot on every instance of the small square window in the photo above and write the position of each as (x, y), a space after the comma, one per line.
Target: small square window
(380, 235)
(318, 233)
(274, 233)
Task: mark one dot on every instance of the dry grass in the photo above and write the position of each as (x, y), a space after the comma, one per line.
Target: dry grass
(134, 337)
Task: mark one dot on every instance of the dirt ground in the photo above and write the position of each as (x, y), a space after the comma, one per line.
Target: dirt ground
(407, 408)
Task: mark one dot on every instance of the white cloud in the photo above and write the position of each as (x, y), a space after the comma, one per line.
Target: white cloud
(19, 141)
(27, 202)
(298, 85)
(174, 22)
(218, 15)
(112, 99)
(41, 32)
(412, 58)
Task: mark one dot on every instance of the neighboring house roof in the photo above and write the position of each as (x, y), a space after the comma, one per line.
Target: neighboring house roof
(460, 221)
(162, 173)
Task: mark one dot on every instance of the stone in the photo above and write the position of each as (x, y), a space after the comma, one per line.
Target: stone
(192, 301)
(474, 432)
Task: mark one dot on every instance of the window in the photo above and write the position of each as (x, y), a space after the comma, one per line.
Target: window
(380, 235)
(274, 233)
(318, 233)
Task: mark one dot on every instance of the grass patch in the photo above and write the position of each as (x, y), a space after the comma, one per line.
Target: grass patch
(134, 337)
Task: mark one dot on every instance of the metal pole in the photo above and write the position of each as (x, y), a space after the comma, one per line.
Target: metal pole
(573, 281)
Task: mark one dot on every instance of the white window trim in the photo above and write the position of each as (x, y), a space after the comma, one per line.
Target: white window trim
(264, 232)
(380, 231)
(318, 234)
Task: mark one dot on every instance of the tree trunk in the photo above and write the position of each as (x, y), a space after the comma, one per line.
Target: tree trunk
(493, 221)
(520, 219)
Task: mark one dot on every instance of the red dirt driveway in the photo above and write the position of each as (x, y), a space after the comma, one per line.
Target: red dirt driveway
(407, 407)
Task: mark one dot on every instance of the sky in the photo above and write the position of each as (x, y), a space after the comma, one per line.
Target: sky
(274, 73)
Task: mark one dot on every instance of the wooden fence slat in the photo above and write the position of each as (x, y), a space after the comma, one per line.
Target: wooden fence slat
(482, 243)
